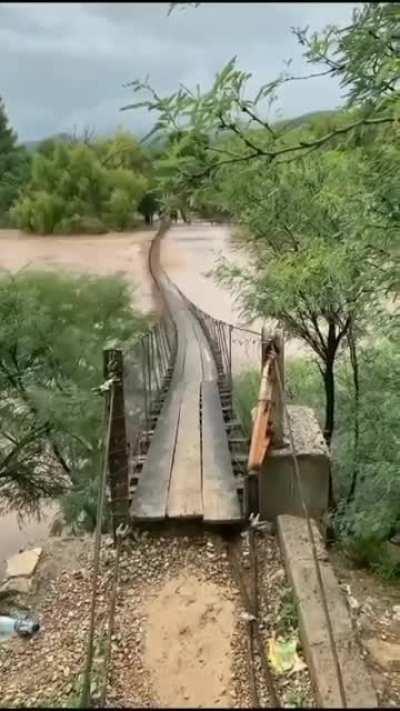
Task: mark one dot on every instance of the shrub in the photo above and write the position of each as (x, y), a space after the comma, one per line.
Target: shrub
(245, 394)
(365, 523)
(53, 328)
(76, 188)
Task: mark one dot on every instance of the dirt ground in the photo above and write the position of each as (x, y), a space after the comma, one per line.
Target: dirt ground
(180, 636)
(190, 626)
(375, 610)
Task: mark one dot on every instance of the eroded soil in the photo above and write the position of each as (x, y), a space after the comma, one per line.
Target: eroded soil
(375, 610)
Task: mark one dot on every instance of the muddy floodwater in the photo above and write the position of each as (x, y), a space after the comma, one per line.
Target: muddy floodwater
(114, 253)
(188, 253)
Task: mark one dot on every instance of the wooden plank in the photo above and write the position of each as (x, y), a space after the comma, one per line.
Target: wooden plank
(209, 370)
(220, 499)
(184, 499)
(151, 496)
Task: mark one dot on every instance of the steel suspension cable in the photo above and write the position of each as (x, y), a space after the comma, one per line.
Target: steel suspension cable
(312, 538)
(96, 556)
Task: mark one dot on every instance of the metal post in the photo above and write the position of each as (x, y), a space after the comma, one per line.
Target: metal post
(230, 357)
(251, 495)
(118, 446)
(149, 365)
(144, 376)
(276, 399)
(265, 346)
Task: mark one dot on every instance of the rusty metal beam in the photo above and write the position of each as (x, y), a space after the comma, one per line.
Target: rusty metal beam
(261, 438)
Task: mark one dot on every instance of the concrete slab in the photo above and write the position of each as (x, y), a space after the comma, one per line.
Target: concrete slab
(298, 557)
(278, 484)
(23, 564)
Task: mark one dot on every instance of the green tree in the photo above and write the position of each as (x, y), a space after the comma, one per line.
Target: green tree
(14, 166)
(53, 329)
(309, 264)
(76, 187)
(364, 56)
(269, 150)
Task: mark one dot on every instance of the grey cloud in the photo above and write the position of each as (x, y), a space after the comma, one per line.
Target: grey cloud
(63, 65)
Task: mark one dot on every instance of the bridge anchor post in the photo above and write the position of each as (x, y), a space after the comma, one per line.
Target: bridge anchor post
(118, 447)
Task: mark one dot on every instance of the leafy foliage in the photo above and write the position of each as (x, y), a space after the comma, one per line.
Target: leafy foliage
(374, 513)
(53, 328)
(318, 226)
(365, 56)
(306, 247)
(14, 166)
(80, 187)
(245, 391)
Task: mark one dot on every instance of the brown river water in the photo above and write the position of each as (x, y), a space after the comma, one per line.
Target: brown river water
(188, 252)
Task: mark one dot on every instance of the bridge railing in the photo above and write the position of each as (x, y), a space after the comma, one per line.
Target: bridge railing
(142, 372)
(147, 367)
(236, 350)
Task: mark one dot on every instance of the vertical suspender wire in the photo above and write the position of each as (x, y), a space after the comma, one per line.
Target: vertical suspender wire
(312, 540)
(96, 558)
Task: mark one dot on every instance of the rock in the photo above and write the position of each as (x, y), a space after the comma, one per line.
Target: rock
(385, 654)
(17, 586)
(23, 564)
(353, 602)
(277, 576)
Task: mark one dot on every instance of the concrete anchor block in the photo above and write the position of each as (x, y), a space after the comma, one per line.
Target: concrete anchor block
(297, 553)
(278, 483)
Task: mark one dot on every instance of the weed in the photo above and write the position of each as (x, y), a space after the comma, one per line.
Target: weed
(288, 617)
(373, 554)
(296, 699)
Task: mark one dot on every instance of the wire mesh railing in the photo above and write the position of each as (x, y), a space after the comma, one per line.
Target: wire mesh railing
(237, 354)
(147, 368)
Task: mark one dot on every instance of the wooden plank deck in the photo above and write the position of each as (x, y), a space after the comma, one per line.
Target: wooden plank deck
(188, 473)
(184, 500)
(151, 497)
(220, 499)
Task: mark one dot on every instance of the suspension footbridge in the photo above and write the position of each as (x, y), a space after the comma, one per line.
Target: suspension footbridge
(188, 471)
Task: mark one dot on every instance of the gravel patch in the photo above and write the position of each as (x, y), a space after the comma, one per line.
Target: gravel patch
(47, 670)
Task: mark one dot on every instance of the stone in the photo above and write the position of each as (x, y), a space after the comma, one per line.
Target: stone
(17, 586)
(385, 654)
(23, 564)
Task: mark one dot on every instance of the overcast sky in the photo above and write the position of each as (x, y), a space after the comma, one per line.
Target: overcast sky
(63, 64)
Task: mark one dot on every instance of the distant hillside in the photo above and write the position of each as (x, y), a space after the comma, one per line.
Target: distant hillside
(304, 118)
(34, 145)
(158, 142)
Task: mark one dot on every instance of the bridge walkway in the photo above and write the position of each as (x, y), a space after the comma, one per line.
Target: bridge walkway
(188, 472)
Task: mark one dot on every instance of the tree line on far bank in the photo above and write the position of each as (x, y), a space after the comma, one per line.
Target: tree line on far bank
(72, 185)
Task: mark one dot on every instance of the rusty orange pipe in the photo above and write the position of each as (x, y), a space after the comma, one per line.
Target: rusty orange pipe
(261, 435)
